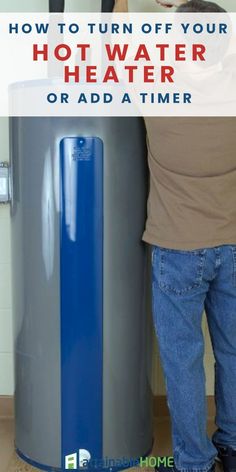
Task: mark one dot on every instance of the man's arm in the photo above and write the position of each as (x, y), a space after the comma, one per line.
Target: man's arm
(171, 3)
(121, 6)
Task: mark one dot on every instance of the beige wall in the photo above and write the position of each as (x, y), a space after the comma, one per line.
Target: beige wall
(6, 358)
(6, 342)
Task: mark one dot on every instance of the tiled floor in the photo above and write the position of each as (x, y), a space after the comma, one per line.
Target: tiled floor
(10, 463)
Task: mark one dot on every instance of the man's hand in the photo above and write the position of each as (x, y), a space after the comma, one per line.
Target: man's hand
(171, 3)
(121, 6)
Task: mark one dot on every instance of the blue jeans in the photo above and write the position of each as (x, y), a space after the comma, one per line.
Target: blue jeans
(185, 283)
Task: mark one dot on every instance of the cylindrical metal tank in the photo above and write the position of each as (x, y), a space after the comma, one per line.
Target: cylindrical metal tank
(82, 388)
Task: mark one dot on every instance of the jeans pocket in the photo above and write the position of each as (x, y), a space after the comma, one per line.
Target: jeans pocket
(180, 272)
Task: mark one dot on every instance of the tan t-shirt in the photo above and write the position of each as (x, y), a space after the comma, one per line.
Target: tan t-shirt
(192, 200)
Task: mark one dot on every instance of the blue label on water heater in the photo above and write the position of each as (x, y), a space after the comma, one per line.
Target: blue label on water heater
(81, 252)
(83, 150)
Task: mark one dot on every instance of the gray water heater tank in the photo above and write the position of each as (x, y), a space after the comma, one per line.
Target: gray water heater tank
(82, 345)
(80, 289)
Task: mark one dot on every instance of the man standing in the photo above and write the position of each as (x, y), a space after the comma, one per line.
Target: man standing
(191, 226)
